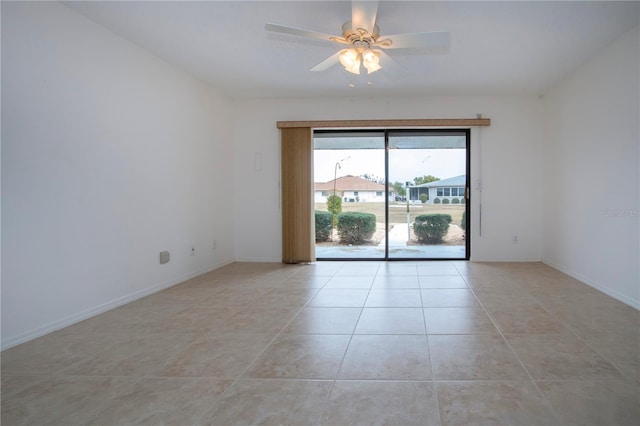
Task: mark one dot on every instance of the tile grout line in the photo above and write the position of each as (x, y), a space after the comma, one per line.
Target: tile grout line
(281, 332)
(533, 381)
(433, 374)
(240, 376)
(573, 331)
(325, 403)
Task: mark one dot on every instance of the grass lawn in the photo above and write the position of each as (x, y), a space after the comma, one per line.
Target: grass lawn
(398, 211)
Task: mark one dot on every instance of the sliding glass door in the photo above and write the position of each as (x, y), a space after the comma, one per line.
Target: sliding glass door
(430, 222)
(350, 195)
(391, 194)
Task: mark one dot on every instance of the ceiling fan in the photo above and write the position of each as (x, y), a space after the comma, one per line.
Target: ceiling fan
(365, 45)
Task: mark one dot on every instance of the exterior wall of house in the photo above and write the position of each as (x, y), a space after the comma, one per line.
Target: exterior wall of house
(362, 196)
(432, 195)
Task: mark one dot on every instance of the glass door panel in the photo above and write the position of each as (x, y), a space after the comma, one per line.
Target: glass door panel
(428, 220)
(391, 194)
(350, 194)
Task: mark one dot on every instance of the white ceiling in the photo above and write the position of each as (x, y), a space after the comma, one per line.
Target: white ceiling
(510, 48)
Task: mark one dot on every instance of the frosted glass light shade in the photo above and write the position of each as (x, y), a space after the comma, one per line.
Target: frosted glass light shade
(350, 60)
(371, 61)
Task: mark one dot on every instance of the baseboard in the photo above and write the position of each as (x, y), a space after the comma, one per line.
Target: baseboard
(260, 259)
(606, 290)
(503, 260)
(88, 313)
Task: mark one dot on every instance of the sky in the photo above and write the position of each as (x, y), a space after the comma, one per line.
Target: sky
(404, 164)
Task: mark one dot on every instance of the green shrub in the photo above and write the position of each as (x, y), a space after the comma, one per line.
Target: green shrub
(463, 222)
(423, 198)
(431, 228)
(455, 201)
(355, 228)
(334, 205)
(463, 200)
(324, 225)
(436, 200)
(445, 201)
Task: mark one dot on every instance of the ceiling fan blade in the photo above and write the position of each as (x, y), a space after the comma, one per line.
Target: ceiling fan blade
(437, 41)
(283, 29)
(327, 63)
(390, 67)
(364, 14)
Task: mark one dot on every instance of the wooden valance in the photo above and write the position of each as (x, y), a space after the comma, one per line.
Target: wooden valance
(420, 122)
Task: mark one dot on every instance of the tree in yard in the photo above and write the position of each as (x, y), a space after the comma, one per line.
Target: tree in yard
(334, 205)
(373, 178)
(424, 179)
(399, 188)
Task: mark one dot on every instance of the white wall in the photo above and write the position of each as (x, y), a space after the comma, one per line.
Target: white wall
(109, 155)
(510, 157)
(592, 184)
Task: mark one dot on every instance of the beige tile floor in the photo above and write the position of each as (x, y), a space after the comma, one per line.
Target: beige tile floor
(341, 343)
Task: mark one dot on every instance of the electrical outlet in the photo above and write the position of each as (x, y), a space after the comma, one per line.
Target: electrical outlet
(193, 250)
(514, 239)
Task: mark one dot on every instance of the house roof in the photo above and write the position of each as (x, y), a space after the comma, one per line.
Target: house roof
(452, 181)
(349, 183)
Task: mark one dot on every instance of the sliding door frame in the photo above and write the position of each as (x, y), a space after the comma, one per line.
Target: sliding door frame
(396, 131)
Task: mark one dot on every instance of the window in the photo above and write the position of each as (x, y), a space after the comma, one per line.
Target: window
(325, 193)
(378, 193)
(450, 192)
(355, 193)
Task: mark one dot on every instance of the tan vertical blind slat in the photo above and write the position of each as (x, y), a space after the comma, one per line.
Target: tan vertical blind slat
(298, 236)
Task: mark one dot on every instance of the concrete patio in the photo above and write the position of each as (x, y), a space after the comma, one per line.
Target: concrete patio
(398, 249)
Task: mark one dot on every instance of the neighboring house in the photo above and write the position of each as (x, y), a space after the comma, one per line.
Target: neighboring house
(351, 189)
(451, 188)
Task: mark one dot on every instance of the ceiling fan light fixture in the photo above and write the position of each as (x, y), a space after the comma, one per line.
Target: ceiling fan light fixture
(363, 44)
(371, 60)
(350, 60)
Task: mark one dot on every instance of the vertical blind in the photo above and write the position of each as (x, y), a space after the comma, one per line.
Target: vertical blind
(298, 236)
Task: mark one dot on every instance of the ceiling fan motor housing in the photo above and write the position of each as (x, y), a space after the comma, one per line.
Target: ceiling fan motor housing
(360, 38)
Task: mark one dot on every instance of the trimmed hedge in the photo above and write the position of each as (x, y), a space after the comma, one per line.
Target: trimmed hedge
(424, 198)
(463, 223)
(324, 225)
(355, 228)
(445, 201)
(431, 228)
(436, 200)
(455, 201)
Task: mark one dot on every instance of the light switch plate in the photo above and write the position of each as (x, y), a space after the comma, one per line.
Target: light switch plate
(164, 257)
